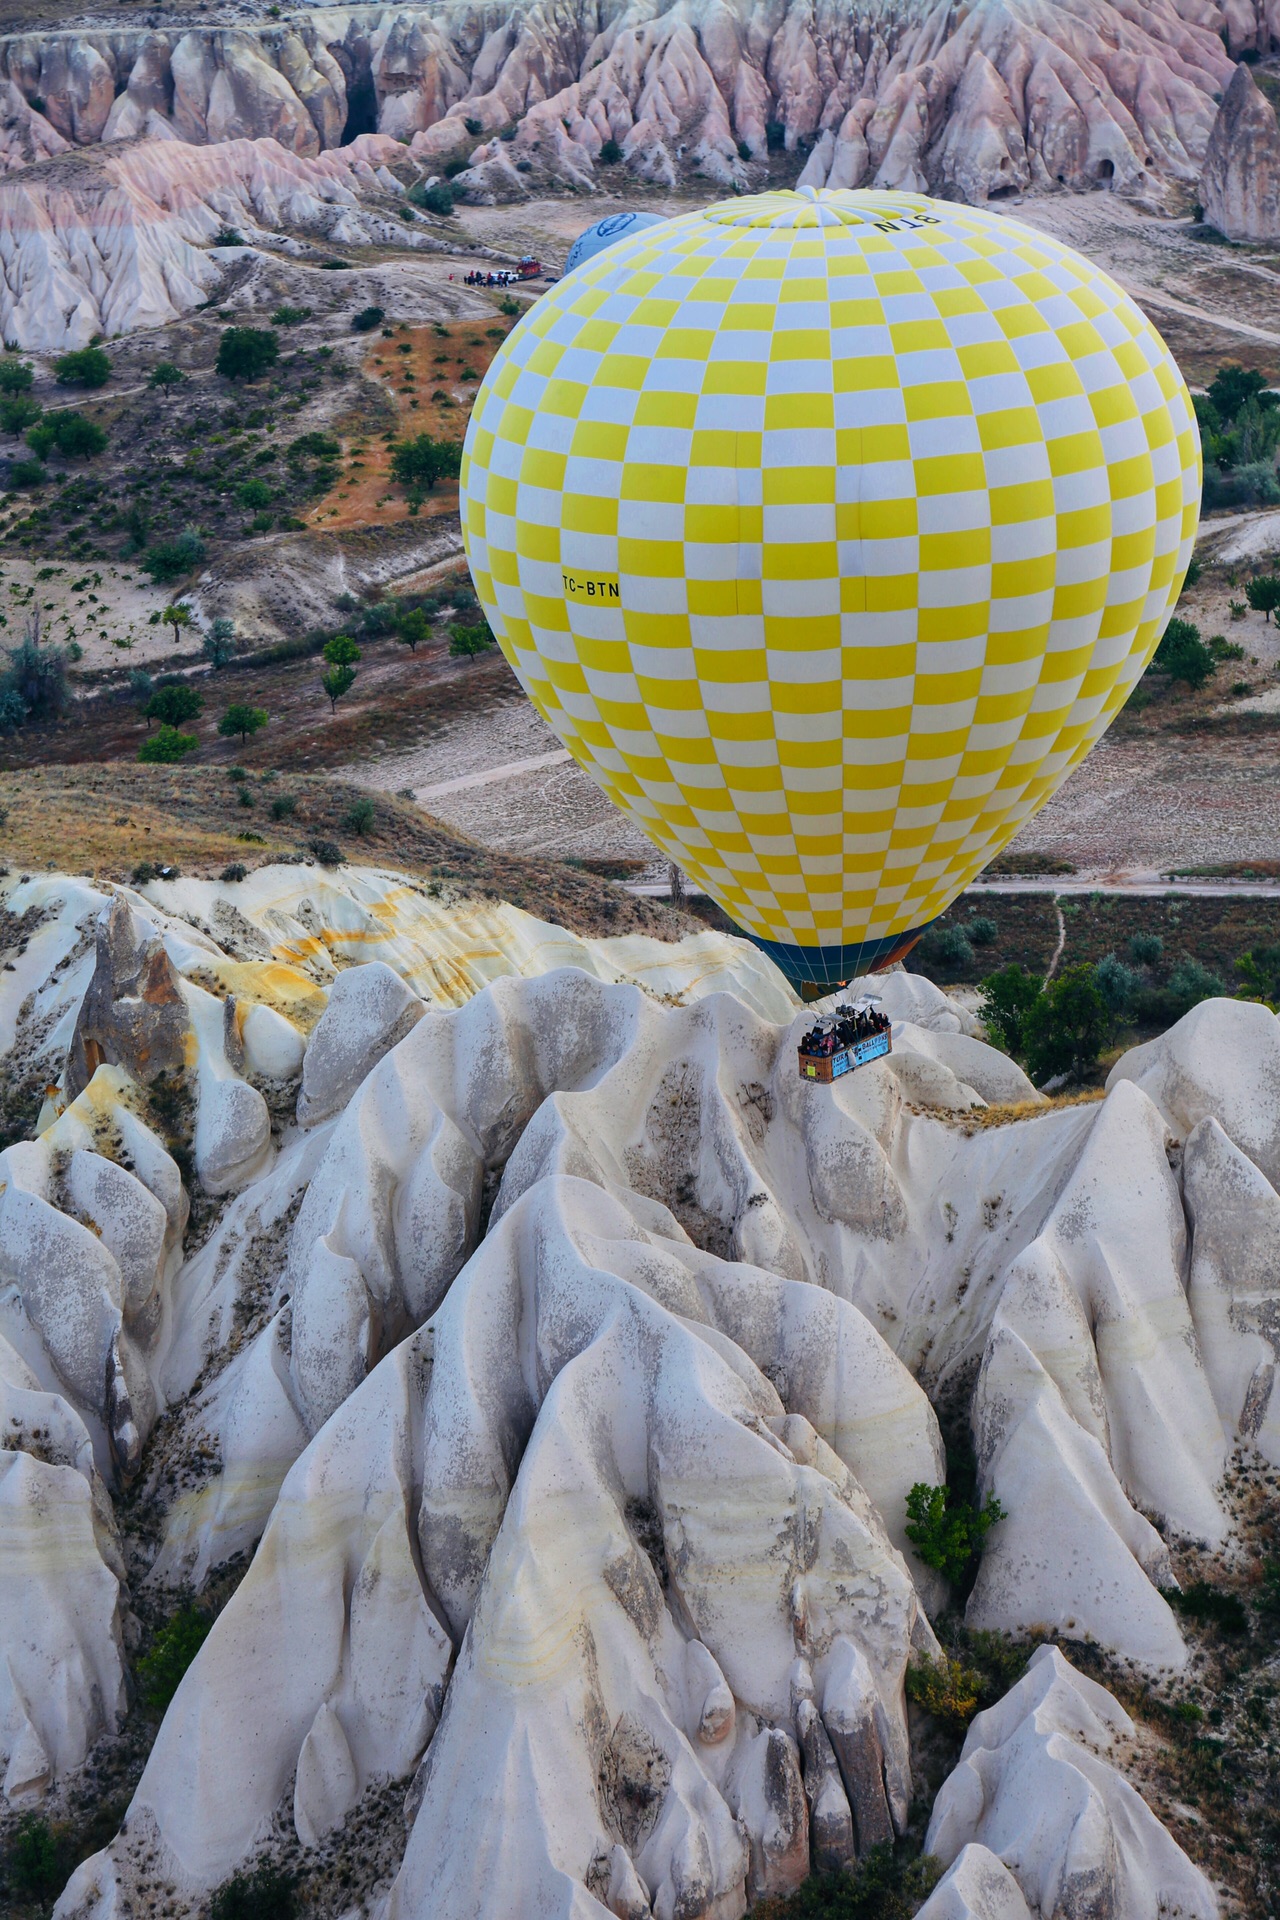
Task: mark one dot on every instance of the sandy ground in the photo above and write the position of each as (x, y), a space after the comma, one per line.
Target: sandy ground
(102, 607)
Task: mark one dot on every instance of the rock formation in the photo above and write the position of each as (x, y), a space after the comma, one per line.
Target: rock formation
(563, 1366)
(1001, 97)
(1240, 185)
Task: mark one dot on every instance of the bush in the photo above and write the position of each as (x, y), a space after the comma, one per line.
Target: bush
(1263, 594)
(1117, 983)
(246, 353)
(173, 705)
(241, 720)
(466, 642)
(254, 493)
(981, 932)
(1146, 949)
(37, 676)
(947, 949)
(314, 446)
(1067, 1027)
(948, 1535)
(422, 461)
(15, 376)
(610, 153)
(236, 871)
(1223, 649)
(165, 746)
(76, 437)
(219, 644)
(26, 473)
(13, 710)
(1190, 983)
(265, 1894)
(1259, 971)
(174, 1648)
(86, 367)
(327, 852)
(360, 816)
(437, 198)
(228, 237)
(170, 559)
(1183, 656)
(946, 1689)
(1007, 1000)
(283, 805)
(33, 1856)
(367, 319)
(1209, 1606)
(887, 1884)
(165, 374)
(1252, 485)
(287, 316)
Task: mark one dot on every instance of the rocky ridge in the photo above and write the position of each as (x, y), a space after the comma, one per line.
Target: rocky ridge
(1240, 185)
(562, 1361)
(1000, 97)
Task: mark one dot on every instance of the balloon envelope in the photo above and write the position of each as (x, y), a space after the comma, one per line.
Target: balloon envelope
(607, 233)
(829, 530)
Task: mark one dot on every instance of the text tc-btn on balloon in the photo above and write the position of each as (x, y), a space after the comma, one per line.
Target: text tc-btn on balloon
(829, 530)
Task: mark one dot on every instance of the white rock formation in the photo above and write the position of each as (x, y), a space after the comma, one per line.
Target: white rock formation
(564, 1361)
(981, 102)
(107, 243)
(1033, 1788)
(1240, 184)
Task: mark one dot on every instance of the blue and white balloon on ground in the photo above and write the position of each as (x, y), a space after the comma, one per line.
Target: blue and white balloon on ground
(606, 233)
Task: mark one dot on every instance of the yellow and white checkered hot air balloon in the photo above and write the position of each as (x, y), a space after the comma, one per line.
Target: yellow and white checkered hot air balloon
(829, 530)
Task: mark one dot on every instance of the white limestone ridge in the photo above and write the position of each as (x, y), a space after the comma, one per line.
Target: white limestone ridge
(980, 101)
(563, 1362)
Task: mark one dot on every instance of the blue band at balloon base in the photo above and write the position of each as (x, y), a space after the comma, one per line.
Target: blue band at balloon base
(815, 971)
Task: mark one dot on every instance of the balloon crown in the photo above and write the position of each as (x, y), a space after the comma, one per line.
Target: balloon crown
(825, 207)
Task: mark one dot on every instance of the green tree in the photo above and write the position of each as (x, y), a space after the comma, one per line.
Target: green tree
(177, 616)
(1232, 386)
(86, 367)
(37, 676)
(947, 1534)
(1259, 971)
(15, 376)
(1146, 949)
(241, 720)
(341, 651)
(337, 683)
(33, 1854)
(360, 815)
(173, 705)
(165, 374)
(413, 627)
(1190, 983)
(1118, 984)
(165, 745)
(1067, 1027)
(1263, 594)
(1007, 999)
(170, 559)
(18, 411)
(75, 436)
(245, 353)
(254, 493)
(1183, 655)
(161, 1668)
(421, 461)
(466, 642)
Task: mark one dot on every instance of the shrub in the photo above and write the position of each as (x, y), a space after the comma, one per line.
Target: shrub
(1146, 949)
(228, 237)
(421, 461)
(1209, 1606)
(360, 816)
(174, 1648)
(1182, 654)
(946, 1689)
(337, 683)
(474, 127)
(15, 376)
(314, 446)
(254, 493)
(466, 642)
(1259, 971)
(265, 1894)
(1237, 609)
(25, 473)
(86, 367)
(170, 559)
(367, 319)
(287, 316)
(981, 932)
(1116, 983)
(18, 411)
(236, 871)
(341, 651)
(13, 710)
(173, 705)
(437, 198)
(219, 644)
(76, 437)
(165, 746)
(240, 720)
(508, 305)
(1224, 649)
(947, 1534)
(245, 353)
(327, 852)
(141, 686)
(33, 1857)
(1263, 594)
(165, 374)
(887, 1884)
(37, 676)
(1067, 1027)
(1190, 983)
(283, 805)
(610, 153)
(947, 948)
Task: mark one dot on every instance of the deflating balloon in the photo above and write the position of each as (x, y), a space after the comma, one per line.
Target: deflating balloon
(829, 530)
(607, 233)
